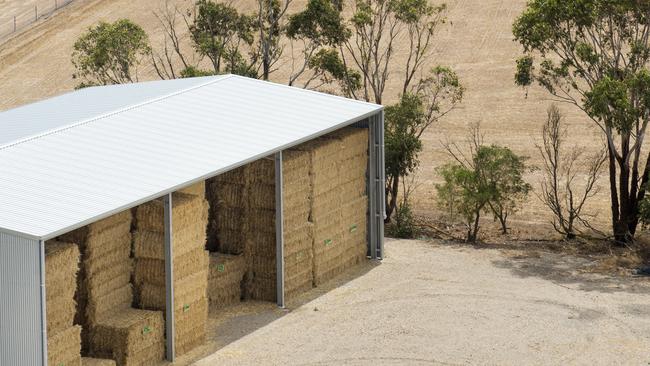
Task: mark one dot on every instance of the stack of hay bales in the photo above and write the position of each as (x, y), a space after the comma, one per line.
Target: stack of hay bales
(298, 230)
(63, 338)
(326, 202)
(354, 163)
(112, 324)
(189, 220)
(225, 278)
(260, 248)
(227, 194)
(242, 221)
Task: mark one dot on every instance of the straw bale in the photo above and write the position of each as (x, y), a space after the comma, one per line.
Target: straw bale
(223, 264)
(61, 263)
(129, 337)
(321, 148)
(153, 270)
(87, 361)
(231, 241)
(191, 324)
(356, 188)
(261, 288)
(186, 291)
(64, 348)
(323, 205)
(196, 189)
(104, 306)
(232, 176)
(97, 289)
(60, 315)
(105, 241)
(98, 282)
(231, 218)
(298, 237)
(295, 160)
(228, 195)
(260, 171)
(260, 221)
(116, 257)
(151, 244)
(81, 235)
(261, 195)
(186, 209)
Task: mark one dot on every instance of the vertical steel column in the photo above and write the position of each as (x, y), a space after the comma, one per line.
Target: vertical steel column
(169, 278)
(43, 301)
(279, 230)
(372, 190)
(381, 184)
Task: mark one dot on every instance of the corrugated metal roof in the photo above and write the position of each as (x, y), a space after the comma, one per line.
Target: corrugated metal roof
(89, 155)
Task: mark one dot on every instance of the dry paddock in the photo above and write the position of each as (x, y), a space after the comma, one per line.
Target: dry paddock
(434, 304)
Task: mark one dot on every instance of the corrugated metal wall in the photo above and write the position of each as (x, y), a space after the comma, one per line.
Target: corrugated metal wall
(20, 301)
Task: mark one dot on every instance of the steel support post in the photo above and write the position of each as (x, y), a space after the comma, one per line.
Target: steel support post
(279, 230)
(169, 279)
(43, 301)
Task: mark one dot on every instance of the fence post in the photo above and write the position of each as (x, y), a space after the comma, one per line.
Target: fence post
(14, 23)
(35, 12)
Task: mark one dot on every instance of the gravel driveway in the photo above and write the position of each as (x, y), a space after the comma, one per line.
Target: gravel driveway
(431, 304)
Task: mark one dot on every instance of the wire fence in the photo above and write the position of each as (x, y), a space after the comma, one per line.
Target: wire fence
(26, 15)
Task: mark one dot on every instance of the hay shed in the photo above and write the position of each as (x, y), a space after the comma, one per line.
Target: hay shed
(75, 159)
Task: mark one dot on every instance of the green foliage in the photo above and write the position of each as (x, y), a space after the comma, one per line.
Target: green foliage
(320, 22)
(490, 181)
(192, 72)
(502, 171)
(108, 53)
(219, 32)
(404, 226)
(463, 193)
(595, 54)
(401, 142)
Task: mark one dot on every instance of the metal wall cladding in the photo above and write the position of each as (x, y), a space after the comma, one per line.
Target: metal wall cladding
(20, 301)
(65, 179)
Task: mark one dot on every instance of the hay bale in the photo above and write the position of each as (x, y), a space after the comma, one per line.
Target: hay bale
(95, 229)
(131, 337)
(191, 323)
(64, 348)
(186, 209)
(61, 267)
(225, 278)
(105, 306)
(116, 257)
(60, 314)
(197, 189)
(153, 270)
(261, 171)
(87, 361)
(186, 291)
(262, 196)
(151, 244)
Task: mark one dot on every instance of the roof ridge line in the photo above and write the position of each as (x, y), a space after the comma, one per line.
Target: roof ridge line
(310, 91)
(108, 114)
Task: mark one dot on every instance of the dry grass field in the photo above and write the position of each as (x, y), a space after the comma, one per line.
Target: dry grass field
(476, 42)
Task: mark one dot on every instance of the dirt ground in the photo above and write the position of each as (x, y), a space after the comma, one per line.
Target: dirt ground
(434, 303)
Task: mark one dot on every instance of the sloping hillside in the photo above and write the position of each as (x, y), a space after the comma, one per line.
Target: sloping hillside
(476, 42)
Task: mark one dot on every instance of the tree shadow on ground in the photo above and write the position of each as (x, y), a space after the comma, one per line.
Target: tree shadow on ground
(571, 272)
(232, 323)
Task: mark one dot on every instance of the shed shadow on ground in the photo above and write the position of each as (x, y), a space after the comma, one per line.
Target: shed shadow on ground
(235, 322)
(569, 271)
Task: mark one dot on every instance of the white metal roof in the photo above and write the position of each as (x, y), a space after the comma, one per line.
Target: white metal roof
(82, 156)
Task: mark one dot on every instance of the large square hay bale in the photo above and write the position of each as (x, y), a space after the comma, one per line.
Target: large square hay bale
(153, 270)
(95, 230)
(105, 306)
(261, 171)
(151, 244)
(64, 348)
(298, 237)
(225, 279)
(131, 337)
(186, 209)
(186, 291)
(87, 361)
(196, 189)
(190, 328)
(61, 267)
(261, 196)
